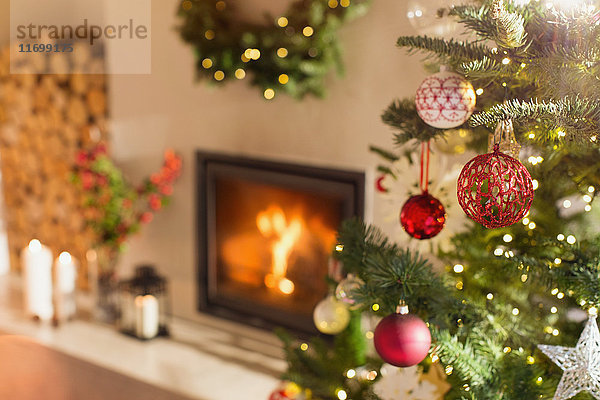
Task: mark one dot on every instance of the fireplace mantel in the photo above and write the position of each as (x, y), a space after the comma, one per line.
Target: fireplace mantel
(210, 360)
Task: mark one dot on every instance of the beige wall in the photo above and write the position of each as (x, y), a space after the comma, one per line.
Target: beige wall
(167, 109)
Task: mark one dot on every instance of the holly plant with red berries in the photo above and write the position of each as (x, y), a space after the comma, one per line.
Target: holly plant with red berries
(114, 208)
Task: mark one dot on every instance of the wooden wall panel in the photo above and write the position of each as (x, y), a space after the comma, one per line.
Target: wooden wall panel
(44, 121)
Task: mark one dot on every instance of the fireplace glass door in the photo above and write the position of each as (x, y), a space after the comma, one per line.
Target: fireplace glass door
(266, 234)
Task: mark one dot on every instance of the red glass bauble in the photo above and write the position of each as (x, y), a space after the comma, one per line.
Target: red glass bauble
(423, 216)
(402, 340)
(279, 395)
(495, 190)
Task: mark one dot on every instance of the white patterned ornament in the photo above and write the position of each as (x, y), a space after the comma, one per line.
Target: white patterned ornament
(581, 364)
(445, 100)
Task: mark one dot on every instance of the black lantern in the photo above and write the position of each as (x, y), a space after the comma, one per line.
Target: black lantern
(144, 304)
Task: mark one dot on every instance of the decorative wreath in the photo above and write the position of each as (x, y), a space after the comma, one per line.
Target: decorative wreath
(292, 53)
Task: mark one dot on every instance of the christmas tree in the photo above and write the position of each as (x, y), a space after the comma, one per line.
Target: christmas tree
(535, 67)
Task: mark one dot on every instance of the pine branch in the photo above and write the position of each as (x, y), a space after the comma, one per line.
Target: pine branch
(464, 357)
(402, 116)
(386, 155)
(456, 50)
(475, 19)
(579, 114)
(487, 68)
(510, 27)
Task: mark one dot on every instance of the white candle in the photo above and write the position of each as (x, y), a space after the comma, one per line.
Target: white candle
(4, 255)
(66, 276)
(146, 316)
(36, 260)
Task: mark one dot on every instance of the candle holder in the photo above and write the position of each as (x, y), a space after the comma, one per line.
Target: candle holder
(144, 304)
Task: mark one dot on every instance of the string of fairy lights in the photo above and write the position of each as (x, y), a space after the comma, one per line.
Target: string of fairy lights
(254, 54)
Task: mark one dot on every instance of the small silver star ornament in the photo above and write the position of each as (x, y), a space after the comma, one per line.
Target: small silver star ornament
(580, 363)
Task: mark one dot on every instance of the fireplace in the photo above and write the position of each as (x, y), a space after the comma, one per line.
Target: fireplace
(265, 234)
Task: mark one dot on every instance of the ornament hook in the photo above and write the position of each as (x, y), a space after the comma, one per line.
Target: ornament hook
(402, 308)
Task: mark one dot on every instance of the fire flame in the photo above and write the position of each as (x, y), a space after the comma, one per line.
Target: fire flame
(273, 223)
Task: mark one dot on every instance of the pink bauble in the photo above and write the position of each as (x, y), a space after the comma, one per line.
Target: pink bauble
(423, 216)
(495, 190)
(445, 100)
(402, 340)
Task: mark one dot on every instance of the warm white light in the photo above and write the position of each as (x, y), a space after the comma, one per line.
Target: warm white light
(35, 246)
(506, 60)
(555, 332)
(567, 203)
(351, 373)
(490, 296)
(515, 311)
(591, 189)
(571, 239)
(64, 258)
(525, 221)
(560, 295)
(587, 198)
(479, 92)
(587, 208)
(498, 252)
(535, 184)
(569, 4)
(341, 394)
(560, 237)
(554, 310)
(458, 268)
(554, 291)
(561, 133)
(531, 225)
(557, 261)
(507, 238)
(410, 14)
(418, 13)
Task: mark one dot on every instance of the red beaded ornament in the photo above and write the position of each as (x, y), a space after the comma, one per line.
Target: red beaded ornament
(402, 339)
(423, 216)
(495, 189)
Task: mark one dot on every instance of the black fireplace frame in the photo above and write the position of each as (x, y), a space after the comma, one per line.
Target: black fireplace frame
(208, 166)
